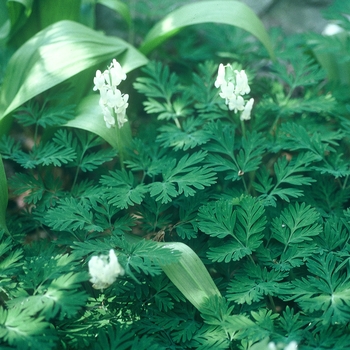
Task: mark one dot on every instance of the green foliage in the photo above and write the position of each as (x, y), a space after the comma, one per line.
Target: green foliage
(21, 330)
(287, 173)
(243, 226)
(230, 234)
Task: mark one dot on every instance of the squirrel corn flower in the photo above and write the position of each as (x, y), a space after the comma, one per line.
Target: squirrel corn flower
(233, 86)
(293, 345)
(104, 271)
(220, 80)
(247, 110)
(242, 86)
(113, 103)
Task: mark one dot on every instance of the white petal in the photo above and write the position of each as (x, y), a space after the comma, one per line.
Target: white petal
(247, 110)
(332, 29)
(99, 81)
(116, 73)
(236, 103)
(104, 273)
(227, 91)
(221, 76)
(242, 86)
(293, 345)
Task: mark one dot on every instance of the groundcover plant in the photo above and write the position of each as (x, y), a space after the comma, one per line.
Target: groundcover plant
(184, 189)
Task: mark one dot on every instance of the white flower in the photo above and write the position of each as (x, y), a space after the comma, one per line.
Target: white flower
(99, 80)
(103, 272)
(332, 29)
(233, 86)
(247, 110)
(108, 116)
(221, 76)
(293, 345)
(227, 91)
(112, 102)
(242, 86)
(115, 74)
(113, 98)
(271, 346)
(121, 110)
(236, 103)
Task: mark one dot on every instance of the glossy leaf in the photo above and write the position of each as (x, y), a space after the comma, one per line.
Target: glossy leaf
(118, 7)
(190, 276)
(55, 54)
(188, 273)
(226, 12)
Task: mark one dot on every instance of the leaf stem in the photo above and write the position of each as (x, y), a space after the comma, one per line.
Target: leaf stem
(243, 128)
(345, 182)
(273, 306)
(120, 147)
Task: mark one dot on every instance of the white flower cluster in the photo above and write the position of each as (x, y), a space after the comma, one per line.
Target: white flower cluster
(112, 101)
(103, 272)
(293, 345)
(233, 87)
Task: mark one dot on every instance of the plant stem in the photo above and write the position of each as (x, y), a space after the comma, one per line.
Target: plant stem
(272, 304)
(243, 128)
(120, 147)
(345, 182)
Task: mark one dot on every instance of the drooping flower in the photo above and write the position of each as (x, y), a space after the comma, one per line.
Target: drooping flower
(99, 80)
(293, 345)
(115, 74)
(242, 86)
(227, 91)
(120, 109)
(236, 103)
(221, 76)
(247, 110)
(104, 270)
(234, 85)
(112, 102)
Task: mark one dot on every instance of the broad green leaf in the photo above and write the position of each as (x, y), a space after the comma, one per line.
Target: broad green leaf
(5, 23)
(19, 11)
(119, 7)
(51, 11)
(23, 21)
(3, 196)
(55, 54)
(330, 52)
(226, 12)
(190, 276)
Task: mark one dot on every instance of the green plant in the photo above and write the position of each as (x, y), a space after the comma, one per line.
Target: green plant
(223, 201)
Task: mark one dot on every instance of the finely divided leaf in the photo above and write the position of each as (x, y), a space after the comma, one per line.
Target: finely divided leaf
(122, 190)
(297, 224)
(70, 215)
(186, 138)
(233, 159)
(326, 291)
(242, 226)
(288, 173)
(184, 177)
(253, 284)
(45, 154)
(21, 330)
